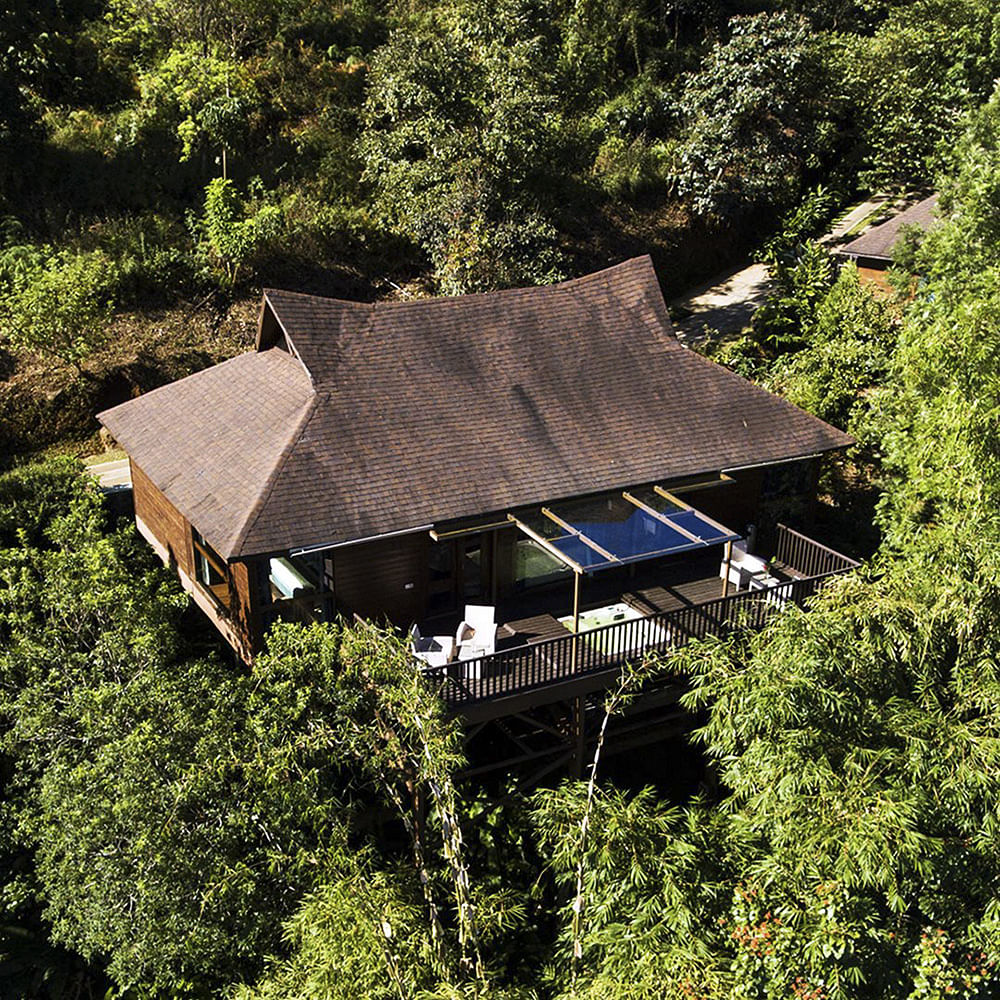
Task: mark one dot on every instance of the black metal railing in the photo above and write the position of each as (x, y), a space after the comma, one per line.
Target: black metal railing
(552, 661)
(800, 555)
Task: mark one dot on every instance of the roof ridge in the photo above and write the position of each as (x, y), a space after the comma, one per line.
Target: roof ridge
(641, 260)
(257, 507)
(311, 295)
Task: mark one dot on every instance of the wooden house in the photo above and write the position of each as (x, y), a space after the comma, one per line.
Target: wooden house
(399, 460)
(872, 251)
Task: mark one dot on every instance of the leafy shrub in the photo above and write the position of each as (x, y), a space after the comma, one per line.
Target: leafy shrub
(797, 226)
(519, 248)
(785, 320)
(626, 169)
(57, 302)
(644, 107)
(154, 256)
(32, 497)
(745, 356)
(234, 231)
(852, 342)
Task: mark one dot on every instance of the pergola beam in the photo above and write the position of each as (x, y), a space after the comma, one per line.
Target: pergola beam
(666, 519)
(566, 526)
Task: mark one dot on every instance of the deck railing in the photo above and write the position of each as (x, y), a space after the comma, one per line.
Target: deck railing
(804, 557)
(552, 661)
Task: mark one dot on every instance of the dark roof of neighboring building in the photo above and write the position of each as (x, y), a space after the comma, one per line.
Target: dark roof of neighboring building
(877, 243)
(392, 416)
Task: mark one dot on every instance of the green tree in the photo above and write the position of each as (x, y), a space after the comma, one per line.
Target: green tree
(176, 811)
(234, 232)
(929, 62)
(173, 811)
(461, 132)
(203, 102)
(760, 111)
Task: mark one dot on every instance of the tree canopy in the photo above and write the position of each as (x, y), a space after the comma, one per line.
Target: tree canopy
(175, 824)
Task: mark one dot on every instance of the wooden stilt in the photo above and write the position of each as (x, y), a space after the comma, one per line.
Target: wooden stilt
(576, 622)
(729, 565)
(579, 736)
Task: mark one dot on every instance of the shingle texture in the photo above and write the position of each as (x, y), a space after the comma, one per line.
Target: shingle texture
(878, 242)
(211, 441)
(420, 412)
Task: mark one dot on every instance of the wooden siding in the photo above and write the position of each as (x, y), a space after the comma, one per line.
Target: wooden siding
(382, 579)
(243, 607)
(733, 504)
(505, 556)
(169, 532)
(164, 521)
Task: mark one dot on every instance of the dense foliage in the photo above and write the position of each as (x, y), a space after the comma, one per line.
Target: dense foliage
(854, 853)
(181, 148)
(174, 825)
(176, 810)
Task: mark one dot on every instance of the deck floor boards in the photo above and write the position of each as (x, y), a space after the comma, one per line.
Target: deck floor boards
(539, 661)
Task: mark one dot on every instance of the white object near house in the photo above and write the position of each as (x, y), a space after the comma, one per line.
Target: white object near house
(476, 635)
(743, 564)
(434, 650)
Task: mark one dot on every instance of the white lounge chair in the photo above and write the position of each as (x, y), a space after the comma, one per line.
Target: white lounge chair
(743, 566)
(476, 635)
(434, 650)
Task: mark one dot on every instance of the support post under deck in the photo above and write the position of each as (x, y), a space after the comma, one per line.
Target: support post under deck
(579, 735)
(729, 567)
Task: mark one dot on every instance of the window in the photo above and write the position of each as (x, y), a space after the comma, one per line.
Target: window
(210, 570)
(534, 567)
(294, 576)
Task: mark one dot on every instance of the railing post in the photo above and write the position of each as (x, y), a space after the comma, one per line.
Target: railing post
(563, 657)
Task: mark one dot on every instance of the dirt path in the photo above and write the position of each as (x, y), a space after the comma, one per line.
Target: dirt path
(726, 302)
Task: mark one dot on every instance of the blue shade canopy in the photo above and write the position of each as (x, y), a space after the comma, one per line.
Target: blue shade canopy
(619, 528)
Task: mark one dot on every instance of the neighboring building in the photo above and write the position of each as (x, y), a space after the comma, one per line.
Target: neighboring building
(399, 460)
(872, 251)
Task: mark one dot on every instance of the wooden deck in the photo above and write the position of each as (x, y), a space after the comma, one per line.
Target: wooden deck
(663, 585)
(647, 600)
(538, 660)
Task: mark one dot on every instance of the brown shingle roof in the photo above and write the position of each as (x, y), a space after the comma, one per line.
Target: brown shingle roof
(878, 242)
(443, 408)
(211, 441)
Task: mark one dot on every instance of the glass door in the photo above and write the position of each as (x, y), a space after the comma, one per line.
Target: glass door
(442, 578)
(460, 572)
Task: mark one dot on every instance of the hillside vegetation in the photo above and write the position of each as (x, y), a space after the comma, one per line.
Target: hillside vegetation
(176, 827)
(160, 161)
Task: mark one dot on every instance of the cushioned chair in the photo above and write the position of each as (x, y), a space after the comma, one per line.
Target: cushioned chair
(434, 650)
(743, 566)
(476, 635)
